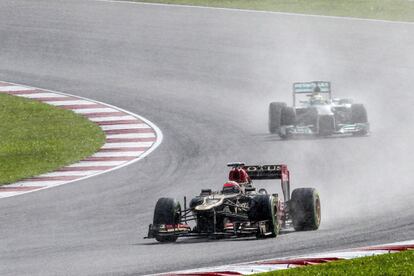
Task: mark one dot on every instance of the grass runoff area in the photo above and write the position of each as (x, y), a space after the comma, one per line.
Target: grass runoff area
(36, 138)
(399, 10)
(401, 263)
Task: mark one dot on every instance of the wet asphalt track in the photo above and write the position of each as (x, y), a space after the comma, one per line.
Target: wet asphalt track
(205, 77)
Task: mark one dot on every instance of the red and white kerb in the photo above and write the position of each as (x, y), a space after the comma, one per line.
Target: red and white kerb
(286, 263)
(129, 137)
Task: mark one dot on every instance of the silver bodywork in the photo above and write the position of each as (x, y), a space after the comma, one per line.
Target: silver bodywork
(338, 109)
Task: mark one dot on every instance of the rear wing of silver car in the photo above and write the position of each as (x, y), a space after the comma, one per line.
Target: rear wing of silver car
(263, 172)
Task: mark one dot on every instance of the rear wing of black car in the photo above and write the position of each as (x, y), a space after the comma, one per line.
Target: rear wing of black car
(263, 172)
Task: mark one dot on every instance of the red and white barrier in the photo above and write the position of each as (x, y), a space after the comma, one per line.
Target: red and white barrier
(129, 137)
(285, 263)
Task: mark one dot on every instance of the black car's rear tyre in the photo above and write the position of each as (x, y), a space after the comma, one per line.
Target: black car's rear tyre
(326, 125)
(264, 208)
(167, 211)
(305, 206)
(275, 116)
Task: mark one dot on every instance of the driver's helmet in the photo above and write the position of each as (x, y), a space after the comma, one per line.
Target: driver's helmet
(231, 187)
(316, 97)
(240, 176)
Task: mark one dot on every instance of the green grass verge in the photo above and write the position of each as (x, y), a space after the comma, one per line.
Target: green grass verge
(37, 138)
(401, 10)
(388, 264)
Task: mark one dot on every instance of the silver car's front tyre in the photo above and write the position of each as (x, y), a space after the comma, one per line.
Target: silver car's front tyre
(275, 116)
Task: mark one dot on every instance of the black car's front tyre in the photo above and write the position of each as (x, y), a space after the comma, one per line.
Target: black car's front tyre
(264, 208)
(167, 212)
(305, 207)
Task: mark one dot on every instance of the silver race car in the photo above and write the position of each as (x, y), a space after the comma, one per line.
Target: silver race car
(315, 112)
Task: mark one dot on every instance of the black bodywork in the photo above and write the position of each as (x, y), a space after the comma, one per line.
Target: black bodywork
(217, 214)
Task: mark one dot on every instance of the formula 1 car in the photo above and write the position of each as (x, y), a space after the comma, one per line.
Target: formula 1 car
(315, 112)
(238, 210)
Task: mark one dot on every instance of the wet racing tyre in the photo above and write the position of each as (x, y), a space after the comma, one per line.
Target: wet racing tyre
(264, 208)
(167, 211)
(305, 208)
(359, 116)
(308, 117)
(275, 116)
(288, 116)
(326, 125)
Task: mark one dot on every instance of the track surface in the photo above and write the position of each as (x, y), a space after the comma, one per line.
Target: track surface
(205, 77)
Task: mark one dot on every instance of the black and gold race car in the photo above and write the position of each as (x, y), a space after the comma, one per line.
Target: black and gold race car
(238, 209)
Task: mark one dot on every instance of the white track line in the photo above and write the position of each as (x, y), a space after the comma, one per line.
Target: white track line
(126, 126)
(8, 194)
(42, 95)
(131, 135)
(95, 110)
(84, 169)
(13, 88)
(118, 154)
(74, 102)
(50, 183)
(95, 164)
(127, 145)
(114, 118)
(261, 11)
(350, 255)
(70, 173)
